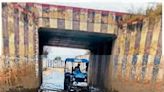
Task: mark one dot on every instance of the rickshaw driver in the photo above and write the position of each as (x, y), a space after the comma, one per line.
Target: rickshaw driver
(77, 69)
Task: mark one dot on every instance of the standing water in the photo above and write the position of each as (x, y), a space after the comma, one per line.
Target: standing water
(53, 78)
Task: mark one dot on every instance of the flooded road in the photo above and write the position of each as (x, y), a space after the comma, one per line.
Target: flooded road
(53, 81)
(53, 78)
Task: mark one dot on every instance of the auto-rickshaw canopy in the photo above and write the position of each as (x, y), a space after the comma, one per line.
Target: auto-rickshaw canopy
(75, 60)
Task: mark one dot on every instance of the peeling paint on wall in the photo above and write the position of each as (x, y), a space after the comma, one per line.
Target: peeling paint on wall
(136, 60)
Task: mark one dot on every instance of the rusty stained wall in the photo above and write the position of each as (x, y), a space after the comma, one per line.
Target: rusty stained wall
(20, 24)
(136, 60)
(18, 60)
(137, 64)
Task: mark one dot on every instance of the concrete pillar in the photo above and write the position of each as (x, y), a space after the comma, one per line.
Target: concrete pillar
(40, 73)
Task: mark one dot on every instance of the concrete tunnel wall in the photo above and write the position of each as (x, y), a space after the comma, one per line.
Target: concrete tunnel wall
(135, 65)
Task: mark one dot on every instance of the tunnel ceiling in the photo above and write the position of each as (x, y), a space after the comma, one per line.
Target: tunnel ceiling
(73, 39)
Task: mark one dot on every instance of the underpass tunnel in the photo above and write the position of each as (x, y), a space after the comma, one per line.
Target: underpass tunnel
(99, 44)
(137, 61)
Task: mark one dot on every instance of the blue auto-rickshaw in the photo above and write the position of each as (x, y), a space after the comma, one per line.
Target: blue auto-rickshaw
(72, 78)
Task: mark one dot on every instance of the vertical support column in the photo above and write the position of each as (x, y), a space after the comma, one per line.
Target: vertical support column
(40, 76)
(40, 65)
(106, 65)
(90, 68)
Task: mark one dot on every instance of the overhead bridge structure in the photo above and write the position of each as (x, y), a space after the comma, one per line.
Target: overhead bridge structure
(126, 49)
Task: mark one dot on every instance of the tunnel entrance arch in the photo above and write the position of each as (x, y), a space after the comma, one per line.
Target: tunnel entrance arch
(99, 44)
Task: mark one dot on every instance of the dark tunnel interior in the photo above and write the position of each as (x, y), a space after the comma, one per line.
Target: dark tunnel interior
(98, 43)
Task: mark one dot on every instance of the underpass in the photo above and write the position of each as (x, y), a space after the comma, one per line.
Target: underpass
(99, 44)
(125, 49)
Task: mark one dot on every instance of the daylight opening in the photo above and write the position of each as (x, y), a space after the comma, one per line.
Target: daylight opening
(54, 65)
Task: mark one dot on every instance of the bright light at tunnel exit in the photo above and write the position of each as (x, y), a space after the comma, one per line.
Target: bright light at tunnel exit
(65, 52)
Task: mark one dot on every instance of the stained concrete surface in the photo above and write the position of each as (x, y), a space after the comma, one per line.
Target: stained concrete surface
(53, 78)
